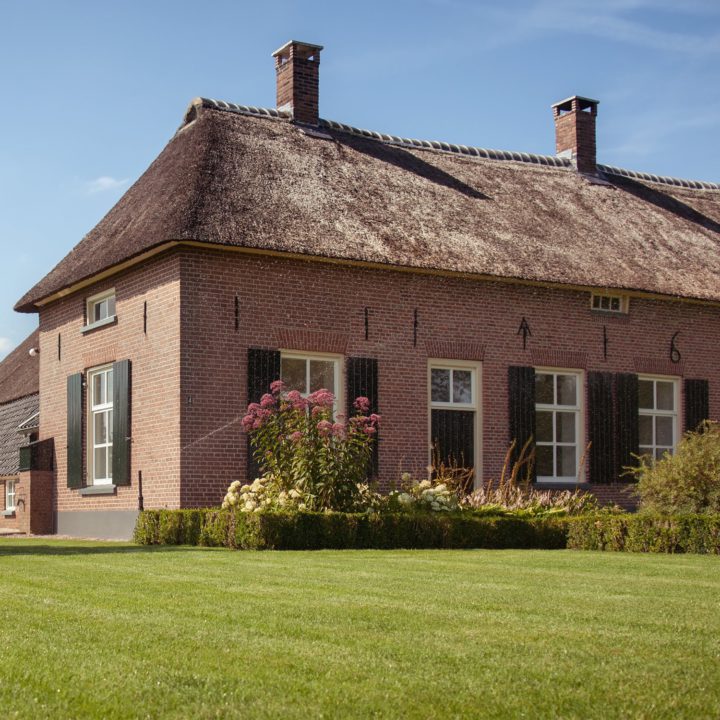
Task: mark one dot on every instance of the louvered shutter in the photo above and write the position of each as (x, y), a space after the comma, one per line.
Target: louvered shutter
(362, 381)
(74, 430)
(521, 406)
(627, 426)
(453, 437)
(121, 423)
(263, 369)
(697, 403)
(601, 421)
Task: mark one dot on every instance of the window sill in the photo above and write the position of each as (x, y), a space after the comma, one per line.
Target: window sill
(99, 490)
(9, 513)
(99, 324)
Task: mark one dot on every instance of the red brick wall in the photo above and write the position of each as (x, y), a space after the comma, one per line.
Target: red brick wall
(33, 504)
(155, 358)
(323, 305)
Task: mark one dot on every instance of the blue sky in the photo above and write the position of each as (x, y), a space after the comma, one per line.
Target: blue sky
(92, 91)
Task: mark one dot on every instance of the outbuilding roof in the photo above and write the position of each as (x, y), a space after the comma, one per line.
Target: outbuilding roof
(244, 177)
(12, 437)
(20, 373)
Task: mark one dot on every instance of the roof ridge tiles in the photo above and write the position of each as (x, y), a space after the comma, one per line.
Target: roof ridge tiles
(442, 146)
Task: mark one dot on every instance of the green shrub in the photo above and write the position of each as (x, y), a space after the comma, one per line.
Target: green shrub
(645, 533)
(330, 530)
(309, 457)
(686, 482)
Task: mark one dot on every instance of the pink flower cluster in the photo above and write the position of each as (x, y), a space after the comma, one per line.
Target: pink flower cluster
(256, 417)
(318, 403)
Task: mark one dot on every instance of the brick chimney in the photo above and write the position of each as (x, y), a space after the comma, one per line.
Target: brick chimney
(297, 68)
(575, 132)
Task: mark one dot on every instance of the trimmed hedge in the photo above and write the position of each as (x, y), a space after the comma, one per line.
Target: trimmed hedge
(315, 531)
(646, 533)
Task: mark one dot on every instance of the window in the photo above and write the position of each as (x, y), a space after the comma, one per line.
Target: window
(454, 401)
(609, 302)
(101, 308)
(9, 495)
(558, 424)
(308, 372)
(100, 425)
(657, 415)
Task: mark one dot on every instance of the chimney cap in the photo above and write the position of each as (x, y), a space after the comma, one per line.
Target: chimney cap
(584, 103)
(285, 49)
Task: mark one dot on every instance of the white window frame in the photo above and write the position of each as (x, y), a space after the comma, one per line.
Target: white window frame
(10, 497)
(674, 414)
(95, 300)
(624, 302)
(579, 410)
(92, 410)
(474, 406)
(339, 391)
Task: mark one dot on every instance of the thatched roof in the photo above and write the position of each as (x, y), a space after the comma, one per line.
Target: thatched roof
(20, 373)
(235, 176)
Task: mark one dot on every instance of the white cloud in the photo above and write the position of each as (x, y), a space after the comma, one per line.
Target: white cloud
(614, 20)
(105, 183)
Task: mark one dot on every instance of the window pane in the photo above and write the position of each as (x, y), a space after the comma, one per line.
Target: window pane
(292, 373)
(98, 389)
(615, 304)
(109, 386)
(665, 395)
(110, 425)
(111, 306)
(645, 450)
(543, 426)
(101, 429)
(544, 460)
(566, 390)
(109, 462)
(322, 375)
(440, 385)
(565, 427)
(664, 430)
(646, 394)
(659, 452)
(596, 301)
(646, 430)
(462, 386)
(605, 302)
(100, 463)
(566, 462)
(544, 389)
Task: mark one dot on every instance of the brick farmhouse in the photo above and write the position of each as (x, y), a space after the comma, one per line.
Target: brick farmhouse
(475, 296)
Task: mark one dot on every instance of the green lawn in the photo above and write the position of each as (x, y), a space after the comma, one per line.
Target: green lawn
(109, 631)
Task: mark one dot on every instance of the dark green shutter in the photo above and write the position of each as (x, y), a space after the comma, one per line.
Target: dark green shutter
(121, 423)
(627, 422)
(362, 381)
(697, 403)
(452, 435)
(601, 421)
(74, 430)
(263, 369)
(521, 406)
